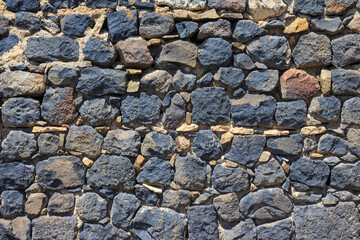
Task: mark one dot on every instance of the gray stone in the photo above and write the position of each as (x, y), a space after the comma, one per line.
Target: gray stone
(227, 179)
(18, 145)
(156, 81)
(273, 51)
(278, 230)
(205, 80)
(233, 5)
(59, 172)
(346, 50)
(331, 161)
(289, 145)
(42, 49)
(29, 21)
(154, 25)
(187, 29)
(4, 26)
(246, 150)
(210, 105)
(12, 203)
(59, 4)
(20, 112)
(291, 114)
(346, 196)
(98, 82)
(141, 108)
(206, 145)
(269, 174)
(312, 50)
(239, 230)
(122, 24)
(123, 209)
(98, 51)
(183, 82)
(313, 173)
(158, 223)
(344, 176)
(53, 227)
(190, 172)
(329, 200)
(325, 109)
(91, 207)
(174, 115)
(122, 142)
(253, 110)
(22, 5)
(112, 172)
(243, 61)
(158, 145)
(262, 81)
(202, 223)
(105, 232)
(353, 136)
(266, 204)
(156, 172)
(146, 196)
(310, 7)
(231, 77)
(101, 4)
(306, 197)
(216, 29)
(84, 139)
(328, 25)
(7, 43)
(48, 143)
(350, 111)
(97, 112)
(176, 199)
(16, 175)
(178, 52)
(345, 82)
(329, 144)
(63, 76)
(227, 207)
(215, 53)
(309, 145)
(61, 203)
(245, 30)
(336, 7)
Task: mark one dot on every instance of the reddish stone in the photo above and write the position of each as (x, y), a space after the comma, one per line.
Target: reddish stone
(297, 84)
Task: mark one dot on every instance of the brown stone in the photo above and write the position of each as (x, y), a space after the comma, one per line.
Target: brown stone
(325, 81)
(312, 130)
(205, 16)
(354, 24)
(335, 7)
(182, 143)
(188, 128)
(38, 129)
(139, 163)
(179, 52)
(275, 133)
(35, 203)
(299, 25)
(226, 138)
(297, 84)
(135, 53)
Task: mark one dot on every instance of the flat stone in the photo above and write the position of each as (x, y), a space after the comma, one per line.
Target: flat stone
(330, 144)
(337, 7)
(112, 172)
(135, 53)
(96, 81)
(243, 61)
(187, 29)
(122, 142)
(97, 112)
(330, 26)
(75, 24)
(63, 76)
(176, 199)
(312, 50)
(42, 49)
(262, 81)
(298, 84)
(156, 172)
(20, 112)
(325, 109)
(61, 203)
(261, 9)
(101, 4)
(18, 145)
(91, 207)
(190, 172)
(253, 110)
(350, 111)
(290, 145)
(183, 82)
(12, 203)
(291, 114)
(345, 82)
(16, 175)
(98, 231)
(353, 136)
(239, 230)
(269, 174)
(158, 145)
(297, 26)
(29, 21)
(346, 50)
(202, 222)
(207, 145)
(206, 16)
(174, 115)
(309, 7)
(246, 30)
(22, 5)
(60, 172)
(99, 51)
(216, 29)
(233, 5)
(122, 24)
(231, 77)
(178, 52)
(246, 150)
(344, 176)
(35, 203)
(216, 52)
(154, 25)
(156, 81)
(227, 179)
(54, 227)
(282, 229)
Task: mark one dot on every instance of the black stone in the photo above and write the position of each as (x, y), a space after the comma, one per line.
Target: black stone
(154, 25)
(123, 209)
(289, 145)
(99, 52)
(28, 21)
(215, 53)
(7, 43)
(156, 172)
(246, 30)
(20, 112)
(227, 179)
(16, 175)
(101, 3)
(187, 29)
(206, 145)
(202, 222)
(190, 172)
(12, 203)
(22, 5)
(122, 24)
(345, 82)
(291, 114)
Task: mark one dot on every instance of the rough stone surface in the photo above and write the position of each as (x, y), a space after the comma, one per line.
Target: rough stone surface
(239, 230)
(183, 82)
(231, 77)
(325, 109)
(332, 145)
(20, 112)
(98, 231)
(217, 29)
(178, 52)
(336, 7)
(353, 137)
(12, 203)
(156, 81)
(156, 172)
(345, 176)
(345, 82)
(61, 203)
(289, 145)
(54, 227)
(207, 145)
(18, 145)
(98, 51)
(350, 111)
(246, 30)
(7, 43)
(158, 145)
(135, 53)
(291, 114)
(227, 179)
(328, 25)
(215, 52)
(153, 25)
(63, 76)
(262, 81)
(91, 207)
(227, 207)
(123, 209)
(22, 5)
(261, 9)
(202, 222)
(278, 230)
(26, 20)
(346, 50)
(121, 142)
(16, 175)
(243, 61)
(190, 172)
(122, 24)
(176, 199)
(75, 24)
(187, 29)
(269, 174)
(313, 8)
(174, 115)
(35, 203)
(97, 112)
(233, 5)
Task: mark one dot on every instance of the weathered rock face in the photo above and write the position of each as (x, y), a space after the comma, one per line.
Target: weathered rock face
(135, 53)
(282, 229)
(97, 231)
(156, 172)
(332, 145)
(75, 24)
(122, 24)
(216, 52)
(123, 209)
(289, 145)
(61, 203)
(120, 142)
(8, 43)
(220, 28)
(346, 50)
(91, 207)
(325, 109)
(178, 52)
(353, 136)
(202, 222)
(20, 112)
(238, 6)
(18, 145)
(344, 176)
(345, 82)
(54, 227)
(98, 51)
(350, 110)
(207, 145)
(269, 174)
(261, 9)
(174, 115)
(16, 175)
(190, 172)
(227, 179)
(246, 30)
(156, 81)
(97, 112)
(158, 145)
(63, 76)
(153, 25)
(11, 203)
(291, 114)
(262, 81)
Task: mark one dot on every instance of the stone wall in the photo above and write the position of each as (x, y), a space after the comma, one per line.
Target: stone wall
(179, 119)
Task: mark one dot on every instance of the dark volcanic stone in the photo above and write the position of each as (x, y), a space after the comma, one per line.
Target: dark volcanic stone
(7, 43)
(48, 143)
(243, 61)
(190, 172)
(350, 111)
(278, 230)
(205, 80)
(62, 76)
(20, 112)
(328, 25)
(98, 51)
(4, 26)
(156, 172)
(218, 29)
(176, 199)
(123, 209)
(154, 25)
(187, 29)
(345, 176)
(53, 227)
(60, 172)
(345, 82)
(112, 172)
(28, 21)
(121, 142)
(246, 30)
(16, 175)
(122, 24)
(91, 207)
(346, 50)
(178, 52)
(101, 3)
(97, 112)
(202, 222)
(6, 233)
(291, 114)
(210, 105)
(310, 7)
(41, 49)
(227, 207)
(227, 179)
(246, 150)
(288, 145)
(158, 145)
(98, 82)
(231, 77)
(18, 145)
(325, 109)
(22, 5)
(61, 203)
(146, 196)
(12, 203)
(156, 81)
(332, 145)
(238, 230)
(215, 53)
(206, 145)
(262, 81)
(174, 115)
(98, 231)
(269, 174)
(183, 82)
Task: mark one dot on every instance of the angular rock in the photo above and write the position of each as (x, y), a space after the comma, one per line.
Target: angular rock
(289, 145)
(227, 207)
(239, 230)
(18, 145)
(183, 82)
(178, 52)
(245, 30)
(22, 5)
(97, 112)
(243, 61)
(62, 76)
(346, 50)
(205, 80)
(227, 179)
(202, 222)
(96, 81)
(154, 25)
(42, 49)
(298, 84)
(253, 110)
(61, 203)
(190, 172)
(91, 207)
(12, 203)
(156, 81)
(75, 24)
(4, 26)
(52, 227)
(353, 136)
(291, 114)
(135, 53)
(58, 105)
(147, 197)
(187, 29)
(309, 7)
(101, 3)
(216, 29)
(207, 145)
(330, 144)
(156, 172)
(59, 172)
(215, 53)
(111, 171)
(28, 21)
(121, 142)
(98, 51)
(261, 9)
(262, 81)
(345, 82)
(233, 5)
(269, 174)
(158, 145)
(312, 50)
(141, 108)
(20, 112)
(35, 203)
(123, 209)
(48, 143)
(278, 230)
(16, 175)
(337, 7)
(122, 24)
(231, 77)
(98, 231)
(296, 26)
(345, 176)
(176, 199)
(7, 43)
(313, 173)
(325, 109)
(174, 115)
(330, 26)
(350, 111)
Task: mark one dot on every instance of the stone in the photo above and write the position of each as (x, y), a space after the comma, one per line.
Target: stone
(158, 223)
(273, 51)
(59, 4)
(42, 49)
(59, 172)
(27, 20)
(350, 110)
(156, 172)
(243, 61)
(20, 112)
(227, 179)
(330, 26)
(316, 221)
(187, 29)
(262, 81)
(330, 144)
(215, 53)
(7, 43)
(141, 108)
(154, 25)
(135, 53)
(246, 30)
(54, 227)
(345, 82)
(325, 81)
(282, 229)
(122, 142)
(233, 5)
(183, 82)
(84, 139)
(101, 4)
(207, 145)
(309, 7)
(178, 52)
(246, 150)
(239, 230)
(75, 24)
(261, 9)
(291, 114)
(190, 173)
(22, 5)
(58, 105)
(353, 137)
(215, 29)
(176, 199)
(231, 77)
(91, 207)
(344, 176)
(99, 51)
(61, 203)
(298, 84)
(205, 16)
(20, 83)
(266, 204)
(329, 200)
(63, 76)
(253, 110)
(211, 105)
(18, 228)
(12, 203)
(312, 130)
(158, 145)
(346, 196)
(202, 222)
(98, 231)
(227, 207)
(122, 24)
(156, 81)
(174, 115)
(346, 50)
(297, 26)
(337, 7)
(112, 171)
(35, 203)
(269, 174)
(146, 196)
(97, 112)
(325, 109)
(290, 145)
(18, 145)
(312, 50)
(4, 26)
(16, 175)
